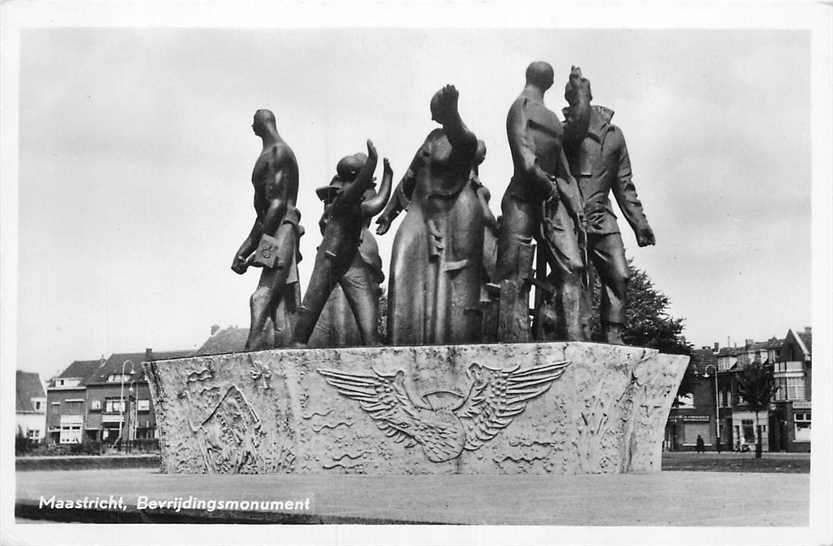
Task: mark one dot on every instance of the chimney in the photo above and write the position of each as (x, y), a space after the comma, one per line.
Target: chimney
(214, 329)
(808, 329)
(148, 354)
(716, 346)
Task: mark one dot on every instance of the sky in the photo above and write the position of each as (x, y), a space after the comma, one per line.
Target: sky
(136, 153)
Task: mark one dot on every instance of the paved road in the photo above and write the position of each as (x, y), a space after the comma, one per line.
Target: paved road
(665, 498)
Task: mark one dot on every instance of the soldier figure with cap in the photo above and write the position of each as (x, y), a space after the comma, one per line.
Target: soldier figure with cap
(340, 260)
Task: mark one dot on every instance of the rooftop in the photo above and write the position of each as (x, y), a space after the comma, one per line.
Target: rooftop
(96, 372)
(27, 386)
(80, 368)
(131, 363)
(752, 346)
(806, 338)
(227, 340)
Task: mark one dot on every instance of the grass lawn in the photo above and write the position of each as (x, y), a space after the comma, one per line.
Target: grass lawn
(736, 462)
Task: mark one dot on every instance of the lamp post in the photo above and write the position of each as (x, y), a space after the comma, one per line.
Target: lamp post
(121, 399)
(129, 425)
(716, 404)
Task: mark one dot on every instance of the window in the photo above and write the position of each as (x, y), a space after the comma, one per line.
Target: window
(795, 388)
(748, 431)
(802, 427)
(37, 405)
(724, 399)
(145, 433)
(692, 430)
(33, 434)
(117, 378)
(143, 405)
(95, 405)
(70, 434)
(781, 388)
(113, 405)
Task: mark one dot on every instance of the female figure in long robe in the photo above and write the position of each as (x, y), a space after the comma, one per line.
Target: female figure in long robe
(436, 263)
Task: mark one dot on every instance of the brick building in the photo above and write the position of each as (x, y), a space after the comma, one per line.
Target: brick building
(716, 411)
(99, 400)
(790, 417)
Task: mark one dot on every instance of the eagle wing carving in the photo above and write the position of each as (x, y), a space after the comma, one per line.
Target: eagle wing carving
(382, 396)
(498, 395)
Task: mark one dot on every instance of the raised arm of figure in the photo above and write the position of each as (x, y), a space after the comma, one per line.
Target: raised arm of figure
(444, 110)
(352, 192)
(371, 207)
(577, 116)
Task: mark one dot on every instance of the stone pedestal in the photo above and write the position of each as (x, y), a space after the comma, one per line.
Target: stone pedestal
(537, 408)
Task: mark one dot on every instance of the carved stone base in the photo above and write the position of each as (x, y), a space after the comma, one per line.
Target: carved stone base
(561, 408)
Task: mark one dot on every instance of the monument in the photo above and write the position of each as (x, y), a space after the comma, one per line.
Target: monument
(460, 388)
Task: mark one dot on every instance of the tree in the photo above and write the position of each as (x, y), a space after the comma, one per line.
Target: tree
(756, 385)
(22, 444)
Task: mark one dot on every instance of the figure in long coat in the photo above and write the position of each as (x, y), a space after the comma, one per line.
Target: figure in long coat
(437, 260)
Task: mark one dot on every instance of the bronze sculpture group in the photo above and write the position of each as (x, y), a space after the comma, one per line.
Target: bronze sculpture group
(457, 274)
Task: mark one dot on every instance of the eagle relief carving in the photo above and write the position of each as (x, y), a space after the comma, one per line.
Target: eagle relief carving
(495, 397)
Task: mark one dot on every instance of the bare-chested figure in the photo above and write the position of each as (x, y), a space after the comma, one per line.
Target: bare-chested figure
(543, 203)
(273, 241)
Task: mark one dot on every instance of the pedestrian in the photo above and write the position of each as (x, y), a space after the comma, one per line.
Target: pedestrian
(701, 445)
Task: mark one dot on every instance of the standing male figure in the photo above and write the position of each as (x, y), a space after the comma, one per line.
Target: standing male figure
(541, 202)
(599, 159)
(272, 242)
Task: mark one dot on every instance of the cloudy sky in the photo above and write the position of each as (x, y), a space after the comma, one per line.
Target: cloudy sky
(136, 154)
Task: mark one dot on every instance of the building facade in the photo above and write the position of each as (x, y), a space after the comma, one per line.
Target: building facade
(717, 412)
(790, 418)
(103, 400)
(30, 406)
